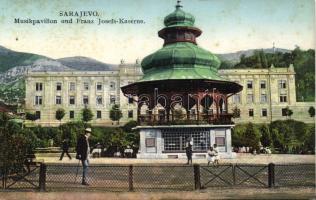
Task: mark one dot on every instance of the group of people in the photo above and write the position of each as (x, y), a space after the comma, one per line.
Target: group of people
(83, 151)
(212, 154)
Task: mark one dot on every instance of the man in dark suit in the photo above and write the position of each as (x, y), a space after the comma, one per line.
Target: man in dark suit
(188, 149)
(83, 151)
(65, 148)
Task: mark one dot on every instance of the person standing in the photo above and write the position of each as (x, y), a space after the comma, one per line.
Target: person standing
(217, 157)
(210, 156)
(83, 151)
(188, 150)
(65, 148)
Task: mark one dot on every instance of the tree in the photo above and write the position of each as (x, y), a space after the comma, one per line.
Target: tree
(311, 111)
(116, 113)
(129, 125)
(13, 146)
(119, 139)
(86, 116)
(288, 112)
(60, 113)
(72, 130)
(309, 143)
(30, 116)
(238, 136)
(251, 137)
(236, 112)
(289, 135)
(265, 138)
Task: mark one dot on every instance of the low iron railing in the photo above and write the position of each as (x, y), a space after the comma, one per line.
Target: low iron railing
(158, 119)
(162, 177)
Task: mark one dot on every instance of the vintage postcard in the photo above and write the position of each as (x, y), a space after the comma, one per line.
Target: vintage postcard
(153, 96)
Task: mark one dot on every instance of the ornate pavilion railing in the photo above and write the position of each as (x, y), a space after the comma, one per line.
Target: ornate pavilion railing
(158, 119)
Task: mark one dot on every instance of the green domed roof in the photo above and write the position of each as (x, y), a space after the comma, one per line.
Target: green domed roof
(180, 58)
(180, 54)
(179, 18)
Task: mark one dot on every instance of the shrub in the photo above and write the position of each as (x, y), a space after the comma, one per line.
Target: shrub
(116, 113)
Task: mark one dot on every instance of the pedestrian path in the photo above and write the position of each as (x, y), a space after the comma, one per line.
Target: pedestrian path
(240, 158)
(214, 193)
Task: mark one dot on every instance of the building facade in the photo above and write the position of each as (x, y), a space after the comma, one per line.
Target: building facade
(46, 91)
(266, 95)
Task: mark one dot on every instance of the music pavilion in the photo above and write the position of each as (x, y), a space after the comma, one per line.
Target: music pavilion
(181, 96)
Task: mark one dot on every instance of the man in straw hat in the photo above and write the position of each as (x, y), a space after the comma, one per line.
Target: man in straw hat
(83, 151)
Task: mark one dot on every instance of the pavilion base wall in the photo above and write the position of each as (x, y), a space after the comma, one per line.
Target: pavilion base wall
(158, 142)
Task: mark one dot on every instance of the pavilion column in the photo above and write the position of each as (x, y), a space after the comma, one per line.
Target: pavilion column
(198, 109)
(168, 114)
(186, 104)
(217, 107)
(138, 113)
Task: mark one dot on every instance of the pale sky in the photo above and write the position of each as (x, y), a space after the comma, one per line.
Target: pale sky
(227, 25)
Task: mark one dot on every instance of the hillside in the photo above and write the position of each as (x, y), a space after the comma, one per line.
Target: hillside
(10, 59)
(234, 58)
(13, 93)
(83, 64)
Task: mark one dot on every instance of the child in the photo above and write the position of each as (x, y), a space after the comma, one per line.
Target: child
(211, 154)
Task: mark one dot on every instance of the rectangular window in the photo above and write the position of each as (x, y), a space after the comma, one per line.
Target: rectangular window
(72, 86)
(39, 86)
(58, 99)
(130, 99)
(284, 111)
(38, 100)
(220, 141)
(112, 99)
(86, 86)
(85, 100)
(130, 114)
(236, 98)
(263, 98)
(249, 98)
(283, 98)
(58, 86)
(282, 84)
(264, 112)
(112, 85)
(250, 111)
(249, 84)
(99, 115)
(72, 100)
(99, 100)
(38, 114)
(99, 86)
(150, 142)
(263, 84)
(71, 114)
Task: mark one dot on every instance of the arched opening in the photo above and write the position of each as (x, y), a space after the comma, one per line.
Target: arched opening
(222, 105)
(206, 102)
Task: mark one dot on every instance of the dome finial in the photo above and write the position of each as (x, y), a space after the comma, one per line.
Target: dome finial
(178, 4)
